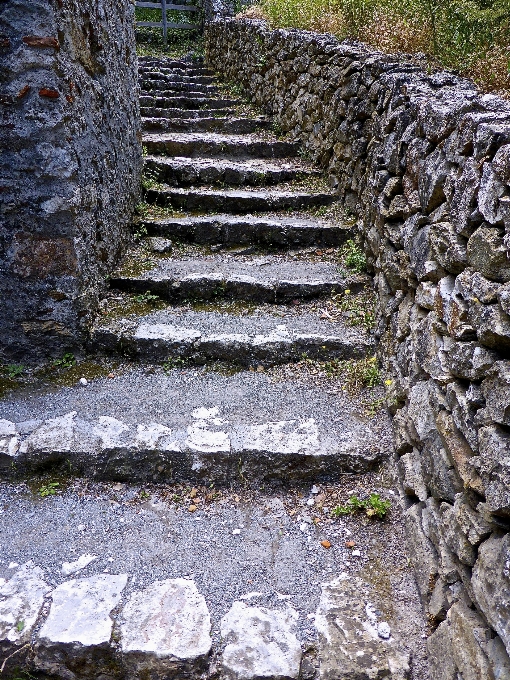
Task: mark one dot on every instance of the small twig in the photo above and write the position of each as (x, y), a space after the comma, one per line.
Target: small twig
(11, 655)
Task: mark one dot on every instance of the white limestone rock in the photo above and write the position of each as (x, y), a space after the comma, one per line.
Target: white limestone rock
(205, 434)
(65, 434)
(284, 437)
(74, 641)
(21, 600)
(165, 629)
(353, 642)
(69, 568)
(261, 643)
(9, 443)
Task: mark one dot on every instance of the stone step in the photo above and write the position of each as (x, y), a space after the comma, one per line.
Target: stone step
(262, 279)
(124, 582)
(236, 200)
(190, 426)
(178, 171)
(250, 340)
(192, 103)
(235, 230)
(183, 71)
(161, 122)
(211, 145)
(172, 66)
(173, 89)
(187, 114)
(159, 76)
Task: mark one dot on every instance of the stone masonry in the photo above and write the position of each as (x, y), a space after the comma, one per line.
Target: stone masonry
(424, 161)
(71, 162)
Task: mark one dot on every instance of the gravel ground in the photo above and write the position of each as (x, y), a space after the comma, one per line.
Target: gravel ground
(275, 558)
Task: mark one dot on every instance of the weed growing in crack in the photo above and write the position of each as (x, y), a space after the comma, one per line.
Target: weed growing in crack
(67, 361)
(146, 298)
(13, 370)
(49, 489)
(373, 506)
(354, 257)
(175, 362)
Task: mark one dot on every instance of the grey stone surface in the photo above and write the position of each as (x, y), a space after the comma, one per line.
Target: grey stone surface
(261, 643)
(165, 629)
(353, 640)
(67, 98)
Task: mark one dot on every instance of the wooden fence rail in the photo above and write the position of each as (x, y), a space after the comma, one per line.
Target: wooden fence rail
(164, 23)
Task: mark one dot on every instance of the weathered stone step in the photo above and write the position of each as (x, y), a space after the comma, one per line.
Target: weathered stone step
(185, 72)
(122, 582)
(175, 77)
(264, 279)
(193, 103)
(236, 201)
(232, 230)
(190, 426)
(251, 340)
(210, 145)
(161, 122)
(172, 66)
(178, 171)
(187, 114)
(178, 89)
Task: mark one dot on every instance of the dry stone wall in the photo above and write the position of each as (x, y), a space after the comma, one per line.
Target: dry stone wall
(424, 161)
(70, 168)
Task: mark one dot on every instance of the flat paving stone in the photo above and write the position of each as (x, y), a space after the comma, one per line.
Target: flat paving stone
(158, 120)
(261, 643)
(165, 630)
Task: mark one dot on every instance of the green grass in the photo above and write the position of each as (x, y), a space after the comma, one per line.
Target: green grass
(373, 506)
(469, 36)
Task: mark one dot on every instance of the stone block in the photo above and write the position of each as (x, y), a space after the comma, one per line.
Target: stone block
(491, 584)
(353, 640)
(496, 390)
(165, 631)
(261, 643)
(494, 444)
(459, 451)
(487, 254)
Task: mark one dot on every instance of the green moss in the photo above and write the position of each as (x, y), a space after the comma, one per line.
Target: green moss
(89, 370)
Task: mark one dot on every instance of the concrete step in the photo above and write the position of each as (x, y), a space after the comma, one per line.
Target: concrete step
(249, 340)
(178, 171)
(235, 230)
(262, 279)
(184, 102)
(125, 582)
(236, 201)
(181, 123)
(190, 426)
(211, 145)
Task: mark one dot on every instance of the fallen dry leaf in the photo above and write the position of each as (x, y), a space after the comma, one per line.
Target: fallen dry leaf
(193, 493)
(326, 544)
(350, 544)
(192, 508)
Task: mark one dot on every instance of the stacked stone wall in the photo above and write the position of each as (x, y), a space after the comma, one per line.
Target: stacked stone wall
(70, 165)
(424, 161)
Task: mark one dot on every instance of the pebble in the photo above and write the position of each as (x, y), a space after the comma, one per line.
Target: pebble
(356, 553)
(84, 381)
(315, 489)
(236, 532)
(310, 501)
(383, 630)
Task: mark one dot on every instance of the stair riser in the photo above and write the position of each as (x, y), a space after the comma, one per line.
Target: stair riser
(246, 234)
(214, 288)
(229, 127)
(235, 204)
(189, 175)
(196, 103)
(205, 148)
(234, 350)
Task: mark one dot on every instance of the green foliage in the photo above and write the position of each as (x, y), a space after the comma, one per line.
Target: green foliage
(13, 370)
(67, 361)
(146, 298)
(461, 34)
(175, 362)
(49, 489)
(19, 626)
(373, 506)
(360, 309)
(354, 257)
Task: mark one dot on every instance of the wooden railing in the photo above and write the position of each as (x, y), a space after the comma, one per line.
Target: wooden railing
(165, 6)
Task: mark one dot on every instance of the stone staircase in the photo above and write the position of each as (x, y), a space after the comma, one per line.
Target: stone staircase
(198, 478)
